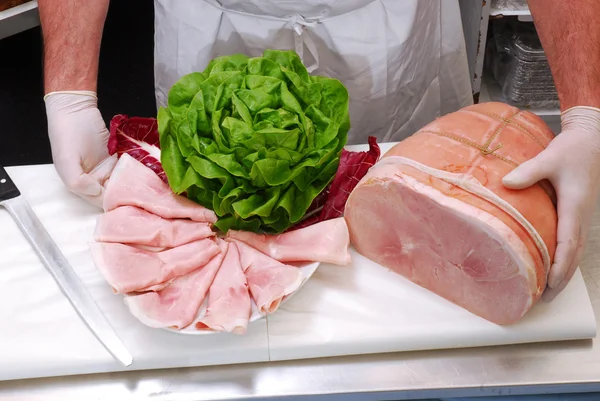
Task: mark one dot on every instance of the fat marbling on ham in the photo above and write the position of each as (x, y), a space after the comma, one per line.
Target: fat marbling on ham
(434, 210)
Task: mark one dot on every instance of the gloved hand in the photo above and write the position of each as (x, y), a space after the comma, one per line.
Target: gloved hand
(78, 138)
(572, 165)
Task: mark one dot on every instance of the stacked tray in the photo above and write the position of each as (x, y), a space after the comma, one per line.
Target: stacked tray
(519, 64)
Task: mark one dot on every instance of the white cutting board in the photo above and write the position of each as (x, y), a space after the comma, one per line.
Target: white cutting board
(361, 308)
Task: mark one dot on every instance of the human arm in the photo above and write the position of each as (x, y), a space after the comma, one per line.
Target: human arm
(72, 33)
(570, 36)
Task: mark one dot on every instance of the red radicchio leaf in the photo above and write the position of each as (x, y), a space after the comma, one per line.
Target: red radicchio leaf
(138, 137)
(352, 168)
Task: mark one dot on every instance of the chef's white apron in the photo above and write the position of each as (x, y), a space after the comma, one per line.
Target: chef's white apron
(403, 61)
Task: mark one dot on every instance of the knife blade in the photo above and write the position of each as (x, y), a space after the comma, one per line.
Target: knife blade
(60, 269)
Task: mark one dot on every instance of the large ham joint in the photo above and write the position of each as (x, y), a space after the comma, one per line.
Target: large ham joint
(434, 210)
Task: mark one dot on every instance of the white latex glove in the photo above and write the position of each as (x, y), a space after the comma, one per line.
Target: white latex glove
(78, 138)
(572, 165)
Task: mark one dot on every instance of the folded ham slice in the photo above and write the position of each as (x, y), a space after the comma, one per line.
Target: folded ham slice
(269, 281)
(130, 269)
(327, 242)
(434, 210)
(176, 305)
(133, 184)
(133, 225)
(229, 304)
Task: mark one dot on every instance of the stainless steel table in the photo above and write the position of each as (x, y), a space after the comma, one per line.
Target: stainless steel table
(572, 366)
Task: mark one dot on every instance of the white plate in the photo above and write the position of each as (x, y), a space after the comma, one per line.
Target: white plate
(306, 271)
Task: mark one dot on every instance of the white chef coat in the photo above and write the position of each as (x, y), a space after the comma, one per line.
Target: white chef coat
(403, 61)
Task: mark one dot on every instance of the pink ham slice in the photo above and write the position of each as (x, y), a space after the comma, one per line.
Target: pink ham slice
(133, 184)
(326, 242)
(130, 269)
(133, 225)
(229, 304)
(269, 281)
(177, 305)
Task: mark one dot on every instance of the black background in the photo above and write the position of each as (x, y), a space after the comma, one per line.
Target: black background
(125, 82)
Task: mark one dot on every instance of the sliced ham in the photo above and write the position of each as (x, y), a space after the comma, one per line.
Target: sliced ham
(326, 242)
(434, 210)
(229, 303)
(130, 269)
(177, 304)
(133, 184)
(133, 225)
(269, 281)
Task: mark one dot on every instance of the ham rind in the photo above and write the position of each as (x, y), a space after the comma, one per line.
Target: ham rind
(133, 225)
(130, 269)
(133, 184)
(327, 242)
(176, 305)
(269, 281)
(229, 303)
(435, 211)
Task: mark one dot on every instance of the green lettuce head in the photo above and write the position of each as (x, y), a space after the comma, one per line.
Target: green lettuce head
(254, 139)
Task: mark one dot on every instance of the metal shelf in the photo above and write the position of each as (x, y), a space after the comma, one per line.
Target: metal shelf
(18, 19)
(510, 8)
(491, 92)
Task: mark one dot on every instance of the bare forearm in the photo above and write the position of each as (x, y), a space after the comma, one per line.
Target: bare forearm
(570, 34)
(72, 31)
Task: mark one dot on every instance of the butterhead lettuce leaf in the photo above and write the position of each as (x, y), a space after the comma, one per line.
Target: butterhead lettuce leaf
(254, 139)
